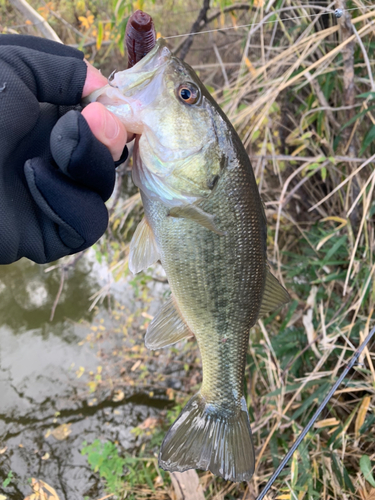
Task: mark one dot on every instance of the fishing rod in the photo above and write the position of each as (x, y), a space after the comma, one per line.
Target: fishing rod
(323, 404)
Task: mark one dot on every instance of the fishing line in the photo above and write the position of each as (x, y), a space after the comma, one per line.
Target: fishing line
(313, 419)
(337, 13)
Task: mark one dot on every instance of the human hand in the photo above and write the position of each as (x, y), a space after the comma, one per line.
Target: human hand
(55, 175)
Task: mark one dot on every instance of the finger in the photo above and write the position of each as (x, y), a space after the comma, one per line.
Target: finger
(106, 127)
(94, 80)
(78, 214)
(81, 156)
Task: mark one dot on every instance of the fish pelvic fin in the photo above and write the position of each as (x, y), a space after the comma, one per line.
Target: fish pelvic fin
(207, 438)
(274, 295)
(167, 328)
(198, 215)
(143, 248)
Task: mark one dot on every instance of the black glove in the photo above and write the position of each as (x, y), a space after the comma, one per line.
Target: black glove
(54, 174)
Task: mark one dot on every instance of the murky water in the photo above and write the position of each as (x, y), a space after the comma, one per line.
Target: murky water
(39, 388)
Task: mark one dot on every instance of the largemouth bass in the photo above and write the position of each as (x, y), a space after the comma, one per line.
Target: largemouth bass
(204, 220)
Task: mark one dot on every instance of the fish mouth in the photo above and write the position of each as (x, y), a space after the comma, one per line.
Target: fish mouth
(123, 86)
(138, 76)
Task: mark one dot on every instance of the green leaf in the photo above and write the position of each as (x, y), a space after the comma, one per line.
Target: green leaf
(8, 480)
(332, 251)
(367, 94)
(324, 173)
(99, 38)
(366, 468)
(358, 115)
(370, 136)
(347, 480)
(317, 395)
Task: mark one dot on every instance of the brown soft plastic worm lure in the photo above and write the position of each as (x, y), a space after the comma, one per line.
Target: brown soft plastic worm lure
(140, 36)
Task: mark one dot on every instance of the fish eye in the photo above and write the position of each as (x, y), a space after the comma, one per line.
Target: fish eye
(188, 93)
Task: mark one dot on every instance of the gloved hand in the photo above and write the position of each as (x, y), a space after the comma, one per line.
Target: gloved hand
(55, 175)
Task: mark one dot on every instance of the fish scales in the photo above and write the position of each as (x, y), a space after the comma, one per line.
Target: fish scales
(204, 220)
(218, 281)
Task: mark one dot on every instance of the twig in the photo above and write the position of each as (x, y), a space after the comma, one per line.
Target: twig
(323, 101)
(58, 294)
(65, 23)
(40, 23)
(218, 56)
(236, 6)
(107, 496)
(346, 29)
(347, 179)
(365, 57)
(202, 16)
(230, 8)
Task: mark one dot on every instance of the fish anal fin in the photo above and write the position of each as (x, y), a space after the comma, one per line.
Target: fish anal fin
(274, 295)
(167, 327)
(198, 215)
(143, 248)
(203, 437)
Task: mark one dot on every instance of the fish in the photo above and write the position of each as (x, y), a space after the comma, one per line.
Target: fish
(205, 222)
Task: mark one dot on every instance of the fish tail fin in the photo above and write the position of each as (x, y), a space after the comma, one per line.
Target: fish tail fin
(204, 437)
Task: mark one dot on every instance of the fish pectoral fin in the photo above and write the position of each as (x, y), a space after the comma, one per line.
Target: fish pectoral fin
(207, 437)
(198, 215)
(143, 248)
(167, 327)
(274, 295)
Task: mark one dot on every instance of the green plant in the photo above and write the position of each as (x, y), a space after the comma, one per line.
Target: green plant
(8, 479)
(124, 474)
(104, 459)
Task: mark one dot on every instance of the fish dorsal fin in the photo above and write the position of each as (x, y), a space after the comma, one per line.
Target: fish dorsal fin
(167, 327)
(143, 249)
(274, 295)
(197, 215)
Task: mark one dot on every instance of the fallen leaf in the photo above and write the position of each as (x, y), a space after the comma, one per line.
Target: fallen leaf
(170, 393)
(39, 488)
(157, 482)
(80, 372)
(2, 451)
(2, 497)
(250, 66)
(62, 432)
(328, 422)
(136, 365)
(118, 396)
(310, 331)
(361, 414)
(45, 456)
(370, 494)
(149, 423)
(367, 495)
